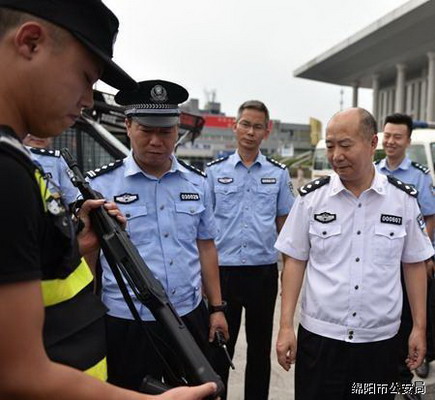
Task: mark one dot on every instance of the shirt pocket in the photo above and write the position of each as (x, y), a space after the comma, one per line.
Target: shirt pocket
(137, 221)
(324, 240)
(388, 243)
(227, 197)
(267, 198)
(187, 219)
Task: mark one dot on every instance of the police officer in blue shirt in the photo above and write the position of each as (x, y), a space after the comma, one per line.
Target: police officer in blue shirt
(54, 166)
(170, 220)
(396, 139)
(251, 198)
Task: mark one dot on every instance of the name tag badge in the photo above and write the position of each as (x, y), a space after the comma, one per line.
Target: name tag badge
(189, 196)
(126, 198)
(268, 181)
(391, 219)
(225, 180)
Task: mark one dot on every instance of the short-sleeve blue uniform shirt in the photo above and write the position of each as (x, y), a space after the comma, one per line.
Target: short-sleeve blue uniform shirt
(165, 218)
(246, 202)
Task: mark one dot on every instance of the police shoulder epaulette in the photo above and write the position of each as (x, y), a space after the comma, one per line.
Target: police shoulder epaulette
(406, 187)
(45, 152)
(421, 167)
(313, 185)
(192, 168)
(276, 163)
(217, 161)
(103, 169)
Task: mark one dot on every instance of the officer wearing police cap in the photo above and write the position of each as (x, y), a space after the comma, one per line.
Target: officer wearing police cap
(51, 52)
(170, 220)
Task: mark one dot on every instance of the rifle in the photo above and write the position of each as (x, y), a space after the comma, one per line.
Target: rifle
(123, 256)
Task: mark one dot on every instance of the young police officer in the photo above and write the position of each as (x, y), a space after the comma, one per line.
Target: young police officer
(170, 220)
(396, 139)
(251, 198)
(349, 232)
(51, 52)
(54, 166)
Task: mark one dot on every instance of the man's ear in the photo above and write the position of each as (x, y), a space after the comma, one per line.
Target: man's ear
(128, 122)
(29, 37)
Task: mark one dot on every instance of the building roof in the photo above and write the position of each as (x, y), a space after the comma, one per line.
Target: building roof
(405, 35)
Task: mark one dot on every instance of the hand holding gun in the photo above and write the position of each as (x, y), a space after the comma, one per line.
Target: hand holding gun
(123, 258)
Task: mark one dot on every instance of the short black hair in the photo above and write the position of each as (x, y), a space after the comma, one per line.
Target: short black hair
(253, 105)
(400, 119)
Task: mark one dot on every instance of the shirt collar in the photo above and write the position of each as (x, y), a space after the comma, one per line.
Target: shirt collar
(404, 165)
(378, 184)
(235, 159)
(132, 168)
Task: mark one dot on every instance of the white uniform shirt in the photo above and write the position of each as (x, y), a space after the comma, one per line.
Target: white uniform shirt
(354, 247)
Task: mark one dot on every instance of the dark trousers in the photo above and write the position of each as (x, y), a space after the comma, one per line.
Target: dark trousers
(131, 355)
(253, 288)
(406, 327)
(331, 369)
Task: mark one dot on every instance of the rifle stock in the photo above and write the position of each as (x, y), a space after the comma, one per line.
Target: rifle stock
(121, 253)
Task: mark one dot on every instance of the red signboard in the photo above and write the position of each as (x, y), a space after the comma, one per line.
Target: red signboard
(219, 121)
(223, 122)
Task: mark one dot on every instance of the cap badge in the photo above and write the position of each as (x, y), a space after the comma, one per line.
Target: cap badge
(159, 94)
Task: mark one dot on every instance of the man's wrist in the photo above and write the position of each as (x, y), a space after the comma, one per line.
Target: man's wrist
(217, 308)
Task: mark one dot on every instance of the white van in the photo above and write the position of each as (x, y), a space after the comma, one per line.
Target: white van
(421, 150)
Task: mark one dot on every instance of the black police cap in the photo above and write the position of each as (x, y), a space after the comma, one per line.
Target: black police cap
(90, 21)
(153, 103)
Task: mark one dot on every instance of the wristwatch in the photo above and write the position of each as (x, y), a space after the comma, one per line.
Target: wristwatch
(221, 307)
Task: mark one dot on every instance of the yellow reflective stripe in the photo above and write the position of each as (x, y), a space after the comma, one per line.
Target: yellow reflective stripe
(45, 193)
(56, 291)
(99, 370)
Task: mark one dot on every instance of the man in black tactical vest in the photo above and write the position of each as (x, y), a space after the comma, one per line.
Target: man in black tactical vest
(52, 52)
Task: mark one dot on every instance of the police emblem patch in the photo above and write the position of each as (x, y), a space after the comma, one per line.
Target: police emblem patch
(421, 222)
(225, 180)
(126, 198)
(159, 94)
(189, 196)
(391, 219)
(55, 206)
(268, 181)
(325, 217)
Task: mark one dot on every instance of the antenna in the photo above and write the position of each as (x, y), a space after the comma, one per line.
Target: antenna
(210, 95)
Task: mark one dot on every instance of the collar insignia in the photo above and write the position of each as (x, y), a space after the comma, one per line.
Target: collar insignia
(325, 217)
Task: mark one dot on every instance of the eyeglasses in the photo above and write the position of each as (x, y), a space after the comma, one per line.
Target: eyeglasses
(246, 126)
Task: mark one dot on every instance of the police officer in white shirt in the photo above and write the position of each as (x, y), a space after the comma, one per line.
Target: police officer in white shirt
(347, 233)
